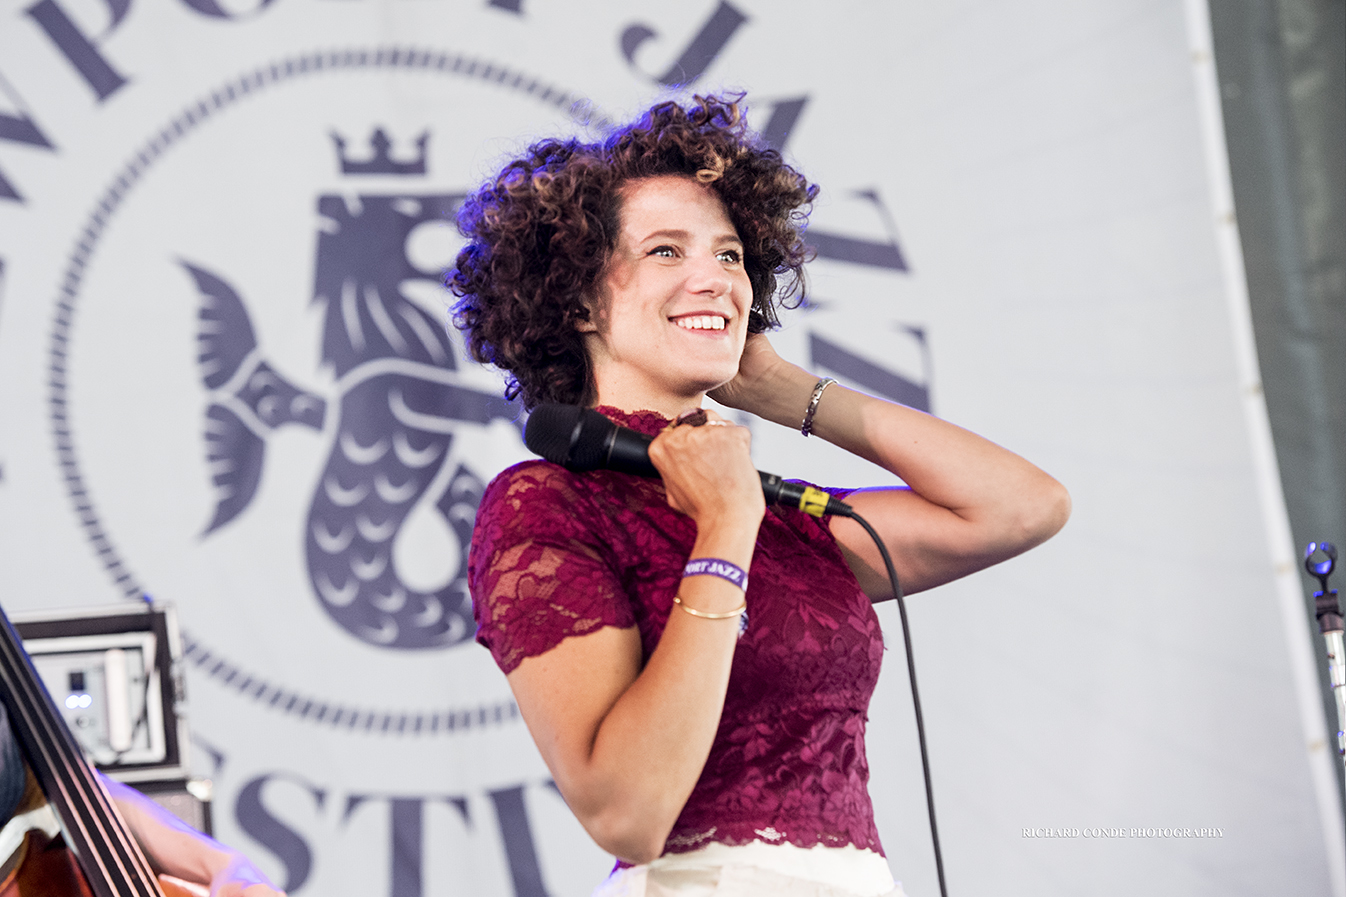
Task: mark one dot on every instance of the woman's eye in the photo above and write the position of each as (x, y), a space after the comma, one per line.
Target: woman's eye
(663, 251)
(733, 256)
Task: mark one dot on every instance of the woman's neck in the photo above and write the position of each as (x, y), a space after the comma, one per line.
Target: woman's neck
(668, 406)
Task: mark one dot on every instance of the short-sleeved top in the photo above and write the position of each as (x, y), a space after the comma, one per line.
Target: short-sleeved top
(558, 554)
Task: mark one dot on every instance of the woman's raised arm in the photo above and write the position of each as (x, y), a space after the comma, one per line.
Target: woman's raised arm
(970, 504)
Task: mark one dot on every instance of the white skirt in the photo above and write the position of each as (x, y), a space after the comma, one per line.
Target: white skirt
(758, 868)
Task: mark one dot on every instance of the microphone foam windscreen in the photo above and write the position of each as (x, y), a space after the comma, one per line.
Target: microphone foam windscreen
(549, 429)
(589, 450)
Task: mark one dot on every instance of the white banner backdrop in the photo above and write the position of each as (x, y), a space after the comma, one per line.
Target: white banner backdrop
(197, 198)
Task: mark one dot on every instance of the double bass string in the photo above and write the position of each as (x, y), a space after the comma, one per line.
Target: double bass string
(114, 865)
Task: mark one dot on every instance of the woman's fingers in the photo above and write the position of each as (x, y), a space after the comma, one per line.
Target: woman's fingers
(758, 370)
(706, 465)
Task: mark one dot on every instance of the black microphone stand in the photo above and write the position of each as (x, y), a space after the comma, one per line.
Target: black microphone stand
(1328, 610)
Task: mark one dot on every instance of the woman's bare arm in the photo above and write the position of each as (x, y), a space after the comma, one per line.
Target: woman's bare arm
(970, 504)
(627, 744)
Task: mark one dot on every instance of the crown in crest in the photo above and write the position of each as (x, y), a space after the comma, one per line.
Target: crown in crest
(380, 160)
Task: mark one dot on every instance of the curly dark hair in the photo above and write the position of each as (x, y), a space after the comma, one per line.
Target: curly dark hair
(541, 234)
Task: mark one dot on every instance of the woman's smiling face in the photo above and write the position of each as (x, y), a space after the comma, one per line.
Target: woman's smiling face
(671, 316)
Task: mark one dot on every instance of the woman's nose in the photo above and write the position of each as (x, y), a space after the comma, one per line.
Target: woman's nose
(708, 276)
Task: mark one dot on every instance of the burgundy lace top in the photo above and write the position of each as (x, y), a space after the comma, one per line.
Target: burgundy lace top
(557, 554)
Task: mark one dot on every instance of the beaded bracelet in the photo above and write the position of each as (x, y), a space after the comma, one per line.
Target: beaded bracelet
(807, 426)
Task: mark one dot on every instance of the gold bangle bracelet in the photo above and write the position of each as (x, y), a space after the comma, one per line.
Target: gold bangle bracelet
(736, 612)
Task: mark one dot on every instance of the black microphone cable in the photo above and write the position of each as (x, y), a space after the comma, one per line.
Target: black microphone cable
(911, 677)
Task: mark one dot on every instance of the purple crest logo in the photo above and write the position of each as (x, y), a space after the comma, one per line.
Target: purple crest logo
(396, 409)
(387, 391)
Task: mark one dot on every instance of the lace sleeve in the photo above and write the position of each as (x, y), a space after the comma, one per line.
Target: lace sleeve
(539, 569)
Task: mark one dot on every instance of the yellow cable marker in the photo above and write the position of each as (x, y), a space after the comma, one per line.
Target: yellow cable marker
(814, 501)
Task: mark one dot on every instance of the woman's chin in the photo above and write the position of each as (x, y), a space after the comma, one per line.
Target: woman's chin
(711, 383)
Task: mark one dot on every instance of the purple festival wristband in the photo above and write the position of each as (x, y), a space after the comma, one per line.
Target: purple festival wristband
(717, 567)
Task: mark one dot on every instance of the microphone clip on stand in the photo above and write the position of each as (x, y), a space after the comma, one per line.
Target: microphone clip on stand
(1328, 611)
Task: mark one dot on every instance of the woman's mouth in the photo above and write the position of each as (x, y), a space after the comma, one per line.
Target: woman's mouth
(701, 322)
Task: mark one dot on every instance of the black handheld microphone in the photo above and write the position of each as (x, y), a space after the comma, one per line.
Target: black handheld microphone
(581, 439)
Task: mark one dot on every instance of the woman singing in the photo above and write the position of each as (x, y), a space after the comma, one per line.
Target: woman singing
(696, 668)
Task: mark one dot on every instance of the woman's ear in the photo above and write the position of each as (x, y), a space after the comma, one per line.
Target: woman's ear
(588, 322)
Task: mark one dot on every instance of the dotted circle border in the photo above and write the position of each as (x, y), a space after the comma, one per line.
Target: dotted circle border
(341, 717)
(179, 127)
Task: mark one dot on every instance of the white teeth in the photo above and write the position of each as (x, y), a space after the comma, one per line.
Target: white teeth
(701, 322)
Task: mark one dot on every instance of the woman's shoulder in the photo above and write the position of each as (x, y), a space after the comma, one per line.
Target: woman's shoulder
(536, 496)
(533, 480)
(534, 469)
